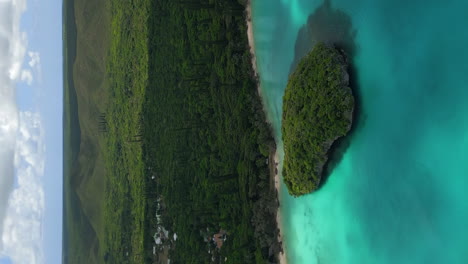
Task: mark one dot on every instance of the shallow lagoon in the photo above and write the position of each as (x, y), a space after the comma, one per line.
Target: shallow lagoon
(398, 194)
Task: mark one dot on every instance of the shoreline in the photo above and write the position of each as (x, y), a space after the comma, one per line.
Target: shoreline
(275, 159)
(250, 36)
(279, 223)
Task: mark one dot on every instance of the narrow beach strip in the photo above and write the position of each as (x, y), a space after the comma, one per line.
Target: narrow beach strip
(250, 35)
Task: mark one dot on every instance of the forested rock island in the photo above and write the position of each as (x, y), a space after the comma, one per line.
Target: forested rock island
(317, 110)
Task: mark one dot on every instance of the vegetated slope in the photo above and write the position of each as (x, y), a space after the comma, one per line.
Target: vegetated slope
(126, 216)
(86, 33)
(89, 74)
(182, 106)
(317, 110)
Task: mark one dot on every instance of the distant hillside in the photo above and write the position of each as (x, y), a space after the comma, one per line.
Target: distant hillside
(86, 23)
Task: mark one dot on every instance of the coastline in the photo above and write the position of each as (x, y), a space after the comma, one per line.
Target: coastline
(282, 254)
(250, 37)
(274, 158)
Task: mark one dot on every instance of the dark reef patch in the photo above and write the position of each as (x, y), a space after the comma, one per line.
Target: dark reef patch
(328, 25)
(334, 27)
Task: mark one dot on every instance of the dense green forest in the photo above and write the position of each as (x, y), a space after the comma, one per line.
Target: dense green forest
(317, 110)
(187, 143)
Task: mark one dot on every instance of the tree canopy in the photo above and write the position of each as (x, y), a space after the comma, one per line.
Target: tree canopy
(317, 110)
(187, 141)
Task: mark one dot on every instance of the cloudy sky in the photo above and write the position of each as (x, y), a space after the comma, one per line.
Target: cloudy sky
(30, 131)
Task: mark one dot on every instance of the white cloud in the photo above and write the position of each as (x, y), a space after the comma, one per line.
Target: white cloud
(35, 63)
(22, 233)
(26, 76)
(22, 148)
(13, 42)
(34, 59)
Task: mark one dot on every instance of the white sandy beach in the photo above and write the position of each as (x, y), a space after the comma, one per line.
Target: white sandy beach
(282, 256)
(250, 37)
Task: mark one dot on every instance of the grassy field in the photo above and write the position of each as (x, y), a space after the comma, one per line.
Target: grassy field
(125, 193)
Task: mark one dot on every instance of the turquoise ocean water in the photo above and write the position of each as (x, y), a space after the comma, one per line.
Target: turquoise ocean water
(400, 192)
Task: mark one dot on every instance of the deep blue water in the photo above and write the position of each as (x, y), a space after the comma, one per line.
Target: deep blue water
(400, 192)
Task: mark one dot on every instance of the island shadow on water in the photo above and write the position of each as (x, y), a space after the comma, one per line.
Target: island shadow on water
(334, 27)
